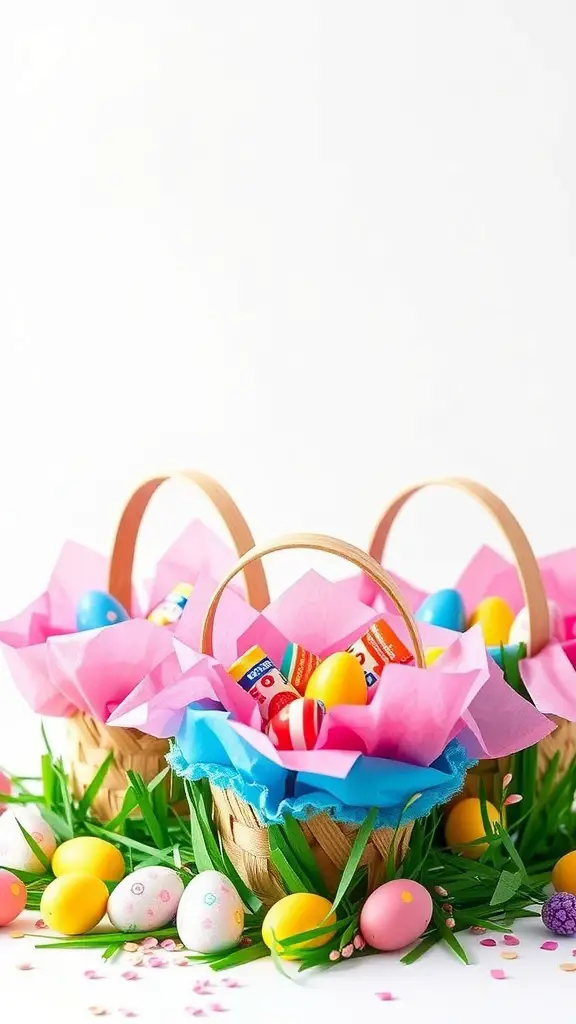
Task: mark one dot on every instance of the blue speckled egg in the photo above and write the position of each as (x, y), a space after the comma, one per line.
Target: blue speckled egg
(96, 608)
(444, 608)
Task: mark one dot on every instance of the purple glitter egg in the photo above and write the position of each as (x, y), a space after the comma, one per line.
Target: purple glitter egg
(559, 913)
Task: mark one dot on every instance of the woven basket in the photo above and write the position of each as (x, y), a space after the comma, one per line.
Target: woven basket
(244, 836)
(90, 740)
(563, 739)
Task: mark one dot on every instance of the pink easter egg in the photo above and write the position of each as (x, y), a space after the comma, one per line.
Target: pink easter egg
(5, 787)
(396, 914)
(12, 896)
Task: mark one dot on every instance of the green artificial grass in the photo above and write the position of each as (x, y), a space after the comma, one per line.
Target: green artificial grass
(504, 884)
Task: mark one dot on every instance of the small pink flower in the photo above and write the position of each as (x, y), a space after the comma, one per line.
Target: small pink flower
(447, 908)
(450, 922)
(40, 923)
(506, 781)
(477, 929)
(514, 798)
(334, 955)
(359, 942)
(440, 891)
(348, 950)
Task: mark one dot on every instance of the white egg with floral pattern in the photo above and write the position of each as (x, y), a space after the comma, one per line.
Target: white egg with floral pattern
(145, 900)
(210, 915)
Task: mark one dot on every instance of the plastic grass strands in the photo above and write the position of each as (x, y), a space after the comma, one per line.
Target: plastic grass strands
(358, 847)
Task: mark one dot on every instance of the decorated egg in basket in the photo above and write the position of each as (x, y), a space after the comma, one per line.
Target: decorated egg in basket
(146, 899)
(210, 914)
(297, 725)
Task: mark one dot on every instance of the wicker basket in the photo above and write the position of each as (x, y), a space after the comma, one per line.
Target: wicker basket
(244, 836)
(90, 740)
(563, 739)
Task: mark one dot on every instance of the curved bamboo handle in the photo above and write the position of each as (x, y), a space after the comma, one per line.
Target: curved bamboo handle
(526, 563)
(332, 546)
(122, 560)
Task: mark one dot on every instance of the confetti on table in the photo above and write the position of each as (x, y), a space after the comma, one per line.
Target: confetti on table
(156, 961)
(567, 967)
(549, 945)
(16, 935)
(169, 945)
(29, 967)
(40, 923)
(498, 974)
(137, 960)
(97, 1011)
(511, 940)
(231, 983)
(182, 963)
(178, 946)
(149, 943)
(194, 1011)
(131, 947)
(509, 954)
(127, 1013)
(385, 997)
(488, 942)
(217, 1008)
(92, 975)
(130, 976)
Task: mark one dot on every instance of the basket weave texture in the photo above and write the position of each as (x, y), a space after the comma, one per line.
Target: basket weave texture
(246, 842)
(89, 744)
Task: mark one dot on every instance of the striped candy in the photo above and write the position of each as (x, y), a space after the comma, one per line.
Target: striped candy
(296, 726)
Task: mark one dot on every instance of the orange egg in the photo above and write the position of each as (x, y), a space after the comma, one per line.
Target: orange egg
(564, 874)
(464, 825)
(339, 679)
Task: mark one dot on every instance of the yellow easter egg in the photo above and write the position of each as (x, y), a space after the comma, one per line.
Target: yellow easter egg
(292, 915)
(432, 654)
(495, 618)
(464, 825)
(564, 874)
(339, 679)
(88, 855)
(74, 904)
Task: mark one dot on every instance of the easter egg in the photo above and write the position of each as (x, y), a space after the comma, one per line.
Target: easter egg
(296, 726)
(88, 855)
(396, 914)
(464, 825)
(210, 915)
(520, 631)
(564, 873)
(12, 897)
(495, 618)
(432, 654)
(146, 899)
(74, 904)
(444, 608)
(96, 608)
(338, 679)
(294, 914)
(14, 850)
(5, 787)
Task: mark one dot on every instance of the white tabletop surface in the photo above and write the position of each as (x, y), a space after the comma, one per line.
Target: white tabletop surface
(437, 988)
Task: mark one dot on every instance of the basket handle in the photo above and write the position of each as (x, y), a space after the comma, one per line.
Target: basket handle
(122, 560)
(526, 563)
(332, 546)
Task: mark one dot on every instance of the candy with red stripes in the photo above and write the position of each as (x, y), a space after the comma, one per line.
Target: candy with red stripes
(297, 725)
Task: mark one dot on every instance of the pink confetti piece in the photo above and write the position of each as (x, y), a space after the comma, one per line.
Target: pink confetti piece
(511, 940)
(156, 961)
(149, 943)
(570, 967)
(130, 976)
(488, 942)
(24, 967)
(498, 974)
(218, 1008)
(194, 1011)
(182, 963)
(385, 997)
(127, 1013)
(231, 983)
(137, 960)
(92, 975)
(169, 945)
(574, 952)
(549, 945)
(97, 1011)
(40, 923)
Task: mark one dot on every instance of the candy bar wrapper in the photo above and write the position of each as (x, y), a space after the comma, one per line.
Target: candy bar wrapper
(39, 665)
(413, 714)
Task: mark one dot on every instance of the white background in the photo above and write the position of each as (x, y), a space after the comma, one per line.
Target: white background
(319, 249)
